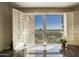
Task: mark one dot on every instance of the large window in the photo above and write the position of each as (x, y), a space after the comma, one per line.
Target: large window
(54, 28)
(48, 28)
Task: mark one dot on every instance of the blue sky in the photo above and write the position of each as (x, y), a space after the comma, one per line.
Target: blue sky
(52, 22)
(38, 23)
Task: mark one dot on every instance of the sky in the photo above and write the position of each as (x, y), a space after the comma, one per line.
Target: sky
(52, 22)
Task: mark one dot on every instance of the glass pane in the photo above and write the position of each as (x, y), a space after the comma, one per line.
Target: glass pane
(53, 28)
(38, 23)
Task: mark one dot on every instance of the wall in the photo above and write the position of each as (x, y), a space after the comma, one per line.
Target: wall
(5, 26)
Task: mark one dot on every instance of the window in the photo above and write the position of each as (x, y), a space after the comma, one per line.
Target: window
(53, 22)
(38, 22)
(48, 28)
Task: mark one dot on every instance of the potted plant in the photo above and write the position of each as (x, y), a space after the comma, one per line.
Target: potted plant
(63, 42)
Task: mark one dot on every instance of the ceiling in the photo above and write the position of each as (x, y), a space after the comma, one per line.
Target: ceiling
(43, 4)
